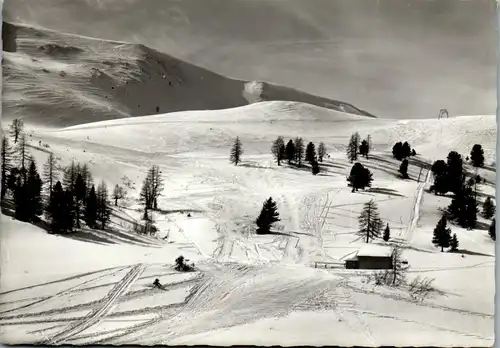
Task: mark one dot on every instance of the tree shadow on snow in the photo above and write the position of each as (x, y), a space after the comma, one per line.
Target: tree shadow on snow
(468, 252)
(385, 191)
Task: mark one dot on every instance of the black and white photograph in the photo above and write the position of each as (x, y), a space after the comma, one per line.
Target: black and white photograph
(248, 172)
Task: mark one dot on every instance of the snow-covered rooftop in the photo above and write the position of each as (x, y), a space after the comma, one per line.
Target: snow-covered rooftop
(374, 250)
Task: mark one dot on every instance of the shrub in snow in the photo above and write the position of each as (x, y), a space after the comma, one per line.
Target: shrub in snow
(421, 288)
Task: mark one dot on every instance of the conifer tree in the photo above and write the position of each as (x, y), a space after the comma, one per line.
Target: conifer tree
(156, 182)
(236, 152)
(68, 211)
(50, 174)
(21, 200)
(454, 243)
(455, 171)
(364, 148)
(290, 151)
(268, 215)
(103, 210)
(359, 177)
(387, 233)
(492, 230)
(91, 208)
(397, 150)
(69, 176)
(315, 168)
(6, 165)
(299, 151)
(16, 129)
(403, 169)
(119, 193)
(471, 213)
(310, 153)
(405, 150)
(79, 194)
(439, 167)
(352, 147)
(22, 154)
(442, 234)
(477, 156)
(34, 193)
(321, 151)
(56, 209)
(146, 196)
(488, 208)
(278, 149)
(369, 222)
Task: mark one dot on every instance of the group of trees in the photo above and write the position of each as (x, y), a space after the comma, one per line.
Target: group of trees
(450, 176)
(357, 147)
(442, 236)
(66, 204)
(293, 152)
(402, 150)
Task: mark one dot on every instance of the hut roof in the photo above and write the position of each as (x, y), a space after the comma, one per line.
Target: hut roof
(374, 250)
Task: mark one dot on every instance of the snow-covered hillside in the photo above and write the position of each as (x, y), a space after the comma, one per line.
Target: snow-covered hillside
(248, 288)
(56, 79)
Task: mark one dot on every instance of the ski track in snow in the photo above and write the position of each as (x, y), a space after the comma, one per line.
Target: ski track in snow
(95, 316)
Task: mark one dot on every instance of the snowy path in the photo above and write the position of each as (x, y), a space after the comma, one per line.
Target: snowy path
(415, 214)
(94, 317)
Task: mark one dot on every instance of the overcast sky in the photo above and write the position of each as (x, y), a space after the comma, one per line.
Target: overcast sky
(393, 58)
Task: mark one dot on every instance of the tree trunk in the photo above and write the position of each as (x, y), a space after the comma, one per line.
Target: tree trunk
(116, 201)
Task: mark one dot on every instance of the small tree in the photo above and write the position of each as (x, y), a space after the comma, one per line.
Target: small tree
(359, 177)
(299, 151)
(50, 173)
(399, 268)
(16, 129)
(236, 152)
(488, 208)
(471, 213)
(369, 222)
(34, 193)
(79, 193)
(6, 165)
(22, 153)
(387, 233)
(278, 150)
(321, 151)
(119, 193)
(310, 153)
(146, 196)
(492, 230)
(454, 243)
(397, 150)
(403, 169)
(477, 156)
(315, 168)
(439, 167)
(290, 151)
(268, 216)
(364, 148)
(91, 208)
(442, 234)
(103, 210)
(56, 209)
(352, 147)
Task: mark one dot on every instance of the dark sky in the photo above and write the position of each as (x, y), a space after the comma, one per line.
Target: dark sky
(393, 58)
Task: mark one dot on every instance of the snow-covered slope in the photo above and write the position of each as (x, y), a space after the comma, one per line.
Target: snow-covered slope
(55, 79)
(256, 289)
